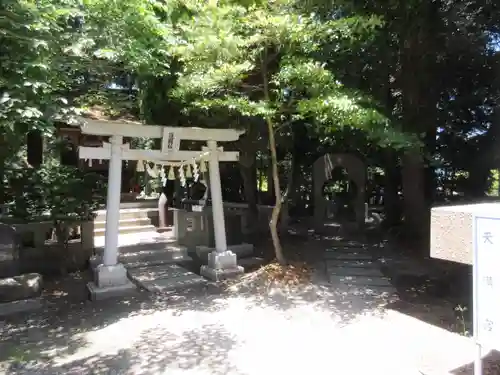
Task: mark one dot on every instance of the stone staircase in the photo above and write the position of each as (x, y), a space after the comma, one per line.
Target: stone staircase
(135, 217)
(149, 253)
(155, 261)
(351, 264)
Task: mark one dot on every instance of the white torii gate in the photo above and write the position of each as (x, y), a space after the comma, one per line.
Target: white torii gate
(110, 276)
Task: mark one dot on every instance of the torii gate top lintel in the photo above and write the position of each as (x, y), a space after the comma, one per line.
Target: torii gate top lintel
(128, 129)
(170, 145)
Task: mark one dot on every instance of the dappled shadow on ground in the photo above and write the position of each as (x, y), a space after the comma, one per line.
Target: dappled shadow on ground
(491, 365)
(196, 328)
(156, 351)
(434, 291)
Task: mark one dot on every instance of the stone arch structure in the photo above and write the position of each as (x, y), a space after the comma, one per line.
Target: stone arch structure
(322, 172)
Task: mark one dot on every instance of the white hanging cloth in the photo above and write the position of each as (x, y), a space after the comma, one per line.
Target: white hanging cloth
(203, 166)
(152, 172)
(171, 174)
(182, 178)
(140, 166)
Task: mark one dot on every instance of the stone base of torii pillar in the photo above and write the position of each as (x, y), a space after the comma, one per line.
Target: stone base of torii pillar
(110, 281)
(221, 266)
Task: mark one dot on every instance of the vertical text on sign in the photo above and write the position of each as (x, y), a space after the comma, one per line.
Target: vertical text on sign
(170, 141)
(487, 280)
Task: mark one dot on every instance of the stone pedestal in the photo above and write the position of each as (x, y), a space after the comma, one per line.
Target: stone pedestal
(243, 250)
(94, 262)
(109, 281)
(452, 228)
(9, 251)
(221, 265)
(87, 234)
(20, 293)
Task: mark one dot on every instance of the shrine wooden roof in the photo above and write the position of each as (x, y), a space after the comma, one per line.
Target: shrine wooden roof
(100, 113)
(95, 113)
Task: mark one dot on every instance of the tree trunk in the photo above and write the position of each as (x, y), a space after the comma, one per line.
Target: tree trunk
(270, 182)
(477, 185)
(285, 214)
(488, 159)
(498, 182)
(2, 170)
(419, 116)
(415, 208)
(249, 177)
(273, 225)
(392, 204)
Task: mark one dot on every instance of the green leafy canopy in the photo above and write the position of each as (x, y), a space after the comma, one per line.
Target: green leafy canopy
(233, 53)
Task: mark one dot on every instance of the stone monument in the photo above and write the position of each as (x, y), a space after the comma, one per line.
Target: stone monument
(322, 172)
(9, 251)
(17, 292)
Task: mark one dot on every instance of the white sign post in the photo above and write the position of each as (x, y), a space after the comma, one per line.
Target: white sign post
(486, 285)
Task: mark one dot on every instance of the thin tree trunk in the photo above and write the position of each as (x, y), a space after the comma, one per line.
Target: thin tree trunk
(270, 181)
(285, 215)
(273, 225)
(274, 163)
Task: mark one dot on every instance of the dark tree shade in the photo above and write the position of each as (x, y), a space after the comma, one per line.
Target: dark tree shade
(34, 140)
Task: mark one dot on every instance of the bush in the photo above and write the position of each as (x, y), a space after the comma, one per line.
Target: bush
(55, 192)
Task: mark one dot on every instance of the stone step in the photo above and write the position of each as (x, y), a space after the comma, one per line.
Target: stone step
(362, 263)
(157, 262)
(137, 203)
(160, 245)
(346, 244)
(142, 221)
(129, 213)
(360, 280)
(154, 256)
(20, 306)
(100, 232)
(354, 271)
(146, 253)
(358, 256)
(142, 203)
(343, 250)
(164, 278)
